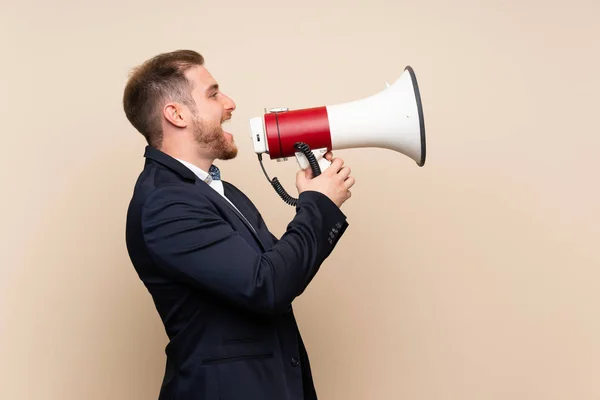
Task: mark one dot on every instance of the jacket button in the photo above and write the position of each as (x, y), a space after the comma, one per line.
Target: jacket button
(295, 362)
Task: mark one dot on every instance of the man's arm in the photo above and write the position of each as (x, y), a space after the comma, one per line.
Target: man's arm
(191, 242)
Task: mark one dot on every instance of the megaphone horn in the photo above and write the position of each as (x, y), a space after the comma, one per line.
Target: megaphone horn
(391, 119)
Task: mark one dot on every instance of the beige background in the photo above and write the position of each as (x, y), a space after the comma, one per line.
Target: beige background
(487, 284)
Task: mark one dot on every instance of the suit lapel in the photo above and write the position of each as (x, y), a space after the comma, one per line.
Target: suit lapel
(210, 192)
(247, 208)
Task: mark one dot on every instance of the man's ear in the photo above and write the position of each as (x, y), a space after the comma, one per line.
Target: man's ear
(173, 113)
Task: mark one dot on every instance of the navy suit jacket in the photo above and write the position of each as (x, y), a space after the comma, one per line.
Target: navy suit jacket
(223, 285)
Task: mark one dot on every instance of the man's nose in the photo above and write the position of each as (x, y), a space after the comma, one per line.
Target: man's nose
(229, 103)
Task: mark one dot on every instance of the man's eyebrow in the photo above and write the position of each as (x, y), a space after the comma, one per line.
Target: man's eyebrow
(212, 87)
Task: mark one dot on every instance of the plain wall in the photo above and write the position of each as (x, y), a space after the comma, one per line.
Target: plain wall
(475, 277)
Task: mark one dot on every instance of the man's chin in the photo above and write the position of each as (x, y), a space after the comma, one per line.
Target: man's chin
(230, 149)
(229, 152)
(227, 156)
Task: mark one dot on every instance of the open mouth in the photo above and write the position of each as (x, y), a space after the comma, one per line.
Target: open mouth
(224, 130)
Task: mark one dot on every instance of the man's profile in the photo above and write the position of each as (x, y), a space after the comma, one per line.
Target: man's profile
(222, 283)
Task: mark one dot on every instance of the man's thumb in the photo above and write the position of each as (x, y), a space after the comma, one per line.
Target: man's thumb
(308, 173)
(300, 176)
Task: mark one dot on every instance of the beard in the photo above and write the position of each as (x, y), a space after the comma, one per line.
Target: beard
(214, 140)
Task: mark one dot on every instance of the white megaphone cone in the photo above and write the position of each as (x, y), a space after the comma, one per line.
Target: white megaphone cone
(391, 119)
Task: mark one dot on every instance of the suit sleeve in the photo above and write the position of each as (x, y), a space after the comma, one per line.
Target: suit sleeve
(190, 242)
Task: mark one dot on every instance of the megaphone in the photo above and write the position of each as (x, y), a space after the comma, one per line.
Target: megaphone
(391, 119)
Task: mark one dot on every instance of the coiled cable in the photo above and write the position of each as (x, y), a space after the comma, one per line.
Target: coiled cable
(312, 161)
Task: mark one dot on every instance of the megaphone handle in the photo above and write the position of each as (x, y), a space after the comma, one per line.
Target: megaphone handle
(306, 158)
(319, 155)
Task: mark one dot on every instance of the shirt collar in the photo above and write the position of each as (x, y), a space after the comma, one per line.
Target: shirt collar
(200, 173)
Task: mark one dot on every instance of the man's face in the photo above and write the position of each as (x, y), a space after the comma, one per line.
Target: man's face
(212, 109)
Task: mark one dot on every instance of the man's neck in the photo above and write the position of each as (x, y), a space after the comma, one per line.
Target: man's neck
(190, 156)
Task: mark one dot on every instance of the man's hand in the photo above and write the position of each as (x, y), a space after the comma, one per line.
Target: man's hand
(334, 182)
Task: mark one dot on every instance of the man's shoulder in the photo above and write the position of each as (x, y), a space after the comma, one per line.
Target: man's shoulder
(158, 183)
(157, 175)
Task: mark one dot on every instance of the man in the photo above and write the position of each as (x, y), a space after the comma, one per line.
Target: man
(222, 284)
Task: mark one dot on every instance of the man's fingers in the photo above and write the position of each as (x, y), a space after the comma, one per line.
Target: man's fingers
(348, 183)
(344, 173)
(336, 165)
